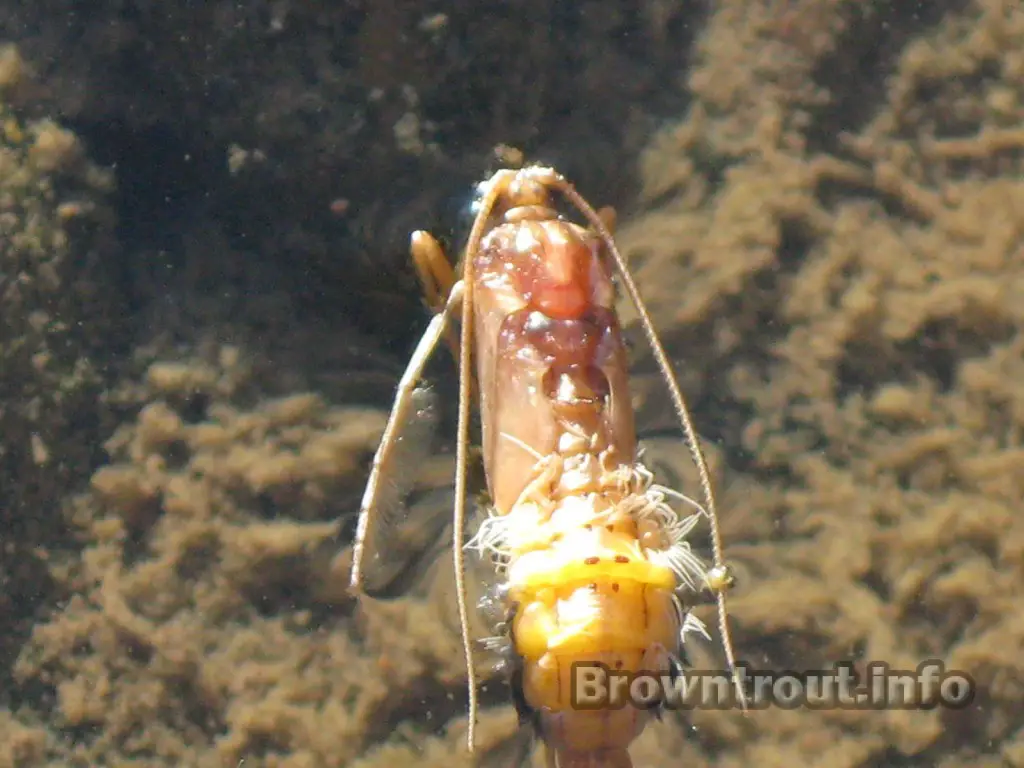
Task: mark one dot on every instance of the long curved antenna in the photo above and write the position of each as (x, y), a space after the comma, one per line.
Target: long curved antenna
(497, 185)
(720, 579)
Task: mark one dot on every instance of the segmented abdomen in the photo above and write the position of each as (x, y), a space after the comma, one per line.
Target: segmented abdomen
(590, 598)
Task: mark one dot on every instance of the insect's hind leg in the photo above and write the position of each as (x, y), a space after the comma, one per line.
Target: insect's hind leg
(396, 420)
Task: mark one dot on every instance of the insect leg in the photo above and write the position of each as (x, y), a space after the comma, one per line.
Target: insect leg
(399, 415)
(436, 277)
(435, 273)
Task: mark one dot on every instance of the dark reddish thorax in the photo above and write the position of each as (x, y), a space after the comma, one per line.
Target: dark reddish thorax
(546, 337)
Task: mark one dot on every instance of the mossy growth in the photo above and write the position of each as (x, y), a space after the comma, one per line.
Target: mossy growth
(57, 313)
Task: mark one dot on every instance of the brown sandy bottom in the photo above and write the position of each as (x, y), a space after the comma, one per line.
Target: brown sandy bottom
(837, 260)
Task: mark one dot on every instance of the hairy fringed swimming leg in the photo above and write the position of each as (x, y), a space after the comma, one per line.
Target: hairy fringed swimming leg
(445, 296)
(399, 414)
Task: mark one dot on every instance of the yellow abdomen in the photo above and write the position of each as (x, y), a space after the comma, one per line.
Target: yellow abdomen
(590, 598)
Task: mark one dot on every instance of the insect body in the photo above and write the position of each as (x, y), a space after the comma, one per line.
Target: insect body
(595, 559)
